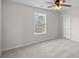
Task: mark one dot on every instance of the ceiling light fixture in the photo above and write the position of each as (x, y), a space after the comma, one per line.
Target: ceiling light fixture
(57, 7)
(58, 4)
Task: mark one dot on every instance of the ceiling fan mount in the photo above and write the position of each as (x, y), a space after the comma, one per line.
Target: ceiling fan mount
(58, 4)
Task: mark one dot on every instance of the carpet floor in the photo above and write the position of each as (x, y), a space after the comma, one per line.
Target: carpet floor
(58, 48)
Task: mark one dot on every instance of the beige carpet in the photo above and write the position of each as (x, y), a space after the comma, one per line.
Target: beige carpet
(58, 48)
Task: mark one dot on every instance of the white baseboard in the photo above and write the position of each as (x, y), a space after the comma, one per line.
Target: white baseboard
(27, 44)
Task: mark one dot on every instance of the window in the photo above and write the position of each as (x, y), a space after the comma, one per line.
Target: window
(39, 23)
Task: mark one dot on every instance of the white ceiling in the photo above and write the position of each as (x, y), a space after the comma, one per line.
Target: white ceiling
(42, 4)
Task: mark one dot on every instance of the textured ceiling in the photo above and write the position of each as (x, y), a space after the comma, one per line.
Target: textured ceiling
(35, 3)
(42, 4)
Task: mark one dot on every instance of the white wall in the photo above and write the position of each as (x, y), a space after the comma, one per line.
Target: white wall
(60, 24)
(75, 24)
(17, 25)
(72, 16)
(0, 27)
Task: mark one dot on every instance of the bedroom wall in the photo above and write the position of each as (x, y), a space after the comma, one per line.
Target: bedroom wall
(74, 22)
(0, 27)
(17, 25)
(60, 25)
